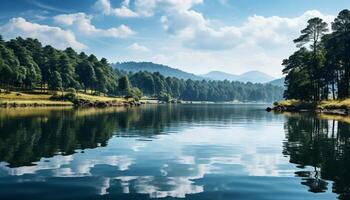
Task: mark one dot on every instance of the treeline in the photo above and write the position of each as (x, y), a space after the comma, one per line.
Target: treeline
(155, 84)
(25, 64)
(320, 69)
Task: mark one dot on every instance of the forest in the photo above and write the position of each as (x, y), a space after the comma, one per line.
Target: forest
(320, 68)
(25, 65)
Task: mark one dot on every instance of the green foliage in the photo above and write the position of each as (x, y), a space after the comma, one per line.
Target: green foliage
(322, 70)
(135, 93)
(71, 90)
(164, 97)
(156, 85)
(55, 81)
(123, 85)
(26, 64)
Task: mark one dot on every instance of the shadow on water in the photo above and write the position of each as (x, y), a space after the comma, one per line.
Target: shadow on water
(44, 151)
(29, 134)
(322, 142)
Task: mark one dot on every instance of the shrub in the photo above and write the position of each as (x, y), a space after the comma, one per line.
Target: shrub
(70, 96)
(67, 97)
(96, 94)
(135, 93)
(164, 97)
(71, 90)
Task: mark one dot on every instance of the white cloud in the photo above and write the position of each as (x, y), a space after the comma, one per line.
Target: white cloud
(198, 32)
(278, 30)
(138, 47)
(104, 6)
(48, 35)
(81, 23)
(143, 8)
(123, 11)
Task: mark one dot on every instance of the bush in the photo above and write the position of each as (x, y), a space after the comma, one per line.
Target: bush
(67, 97)
(71, 90)
(96, 94)
(135, 93)
(164, 97)
(70, 96)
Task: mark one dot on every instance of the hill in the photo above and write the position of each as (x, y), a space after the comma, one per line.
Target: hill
(153, 67)
(278, 82)
(251, 76)
(217, 75)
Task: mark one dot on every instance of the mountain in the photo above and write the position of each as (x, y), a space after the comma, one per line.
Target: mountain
(153, 67)
(251, 76)
(278, 82)
(217, 75)
(255, 77)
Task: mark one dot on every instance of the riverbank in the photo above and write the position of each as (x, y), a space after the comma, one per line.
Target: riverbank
(335, 107)
(59, 99)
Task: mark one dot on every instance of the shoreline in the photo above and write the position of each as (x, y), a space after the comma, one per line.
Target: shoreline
(331, 107)
(19, 99)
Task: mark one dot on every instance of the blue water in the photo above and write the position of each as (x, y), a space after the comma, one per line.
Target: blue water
(171, 152)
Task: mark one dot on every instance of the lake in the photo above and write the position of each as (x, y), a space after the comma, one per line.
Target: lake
(172, 151)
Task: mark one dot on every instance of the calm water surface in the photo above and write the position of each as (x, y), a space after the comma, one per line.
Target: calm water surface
(185, 151)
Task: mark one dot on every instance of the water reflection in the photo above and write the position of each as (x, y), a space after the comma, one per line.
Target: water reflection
(184, 151)
(324, 144)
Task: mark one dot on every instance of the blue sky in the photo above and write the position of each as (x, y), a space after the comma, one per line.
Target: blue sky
(197, 36)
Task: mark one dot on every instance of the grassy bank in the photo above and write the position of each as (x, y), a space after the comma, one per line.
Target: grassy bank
(39, 99)
(326, 106)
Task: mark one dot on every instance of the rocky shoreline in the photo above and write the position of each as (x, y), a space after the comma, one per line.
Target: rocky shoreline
(281, 109)
(104, 104)
(76, 103)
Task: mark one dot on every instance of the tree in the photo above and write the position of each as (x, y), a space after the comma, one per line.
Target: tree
(136, 93)
(86, 74)
(313, 33)
(6, 74)
(341, 35)
(66, 70)
(56, 81)
(123, 85)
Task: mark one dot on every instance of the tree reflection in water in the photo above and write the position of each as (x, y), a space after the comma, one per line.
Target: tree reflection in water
(324, 145)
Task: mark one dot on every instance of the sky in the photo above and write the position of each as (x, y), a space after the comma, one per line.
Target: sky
(197, 36)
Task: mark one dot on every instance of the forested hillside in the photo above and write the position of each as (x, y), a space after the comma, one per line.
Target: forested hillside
(250, 76)
(153, 84)
(27, 65)
(153, 67)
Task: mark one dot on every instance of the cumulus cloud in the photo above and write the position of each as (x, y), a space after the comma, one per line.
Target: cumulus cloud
(138, 47)
(123, 11)
(198, 32)
(278, 30)
(178, 18)
(81, 23)
(48, 35)
(143, 8)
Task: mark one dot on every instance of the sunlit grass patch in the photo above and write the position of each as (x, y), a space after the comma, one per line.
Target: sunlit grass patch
(335, 104)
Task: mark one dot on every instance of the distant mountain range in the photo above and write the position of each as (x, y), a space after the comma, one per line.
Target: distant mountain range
(251, 76)
(152, 67)
(278, 82)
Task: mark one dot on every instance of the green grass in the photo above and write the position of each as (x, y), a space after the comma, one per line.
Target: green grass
(44, 99)
(326, 104)
(335, 104)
